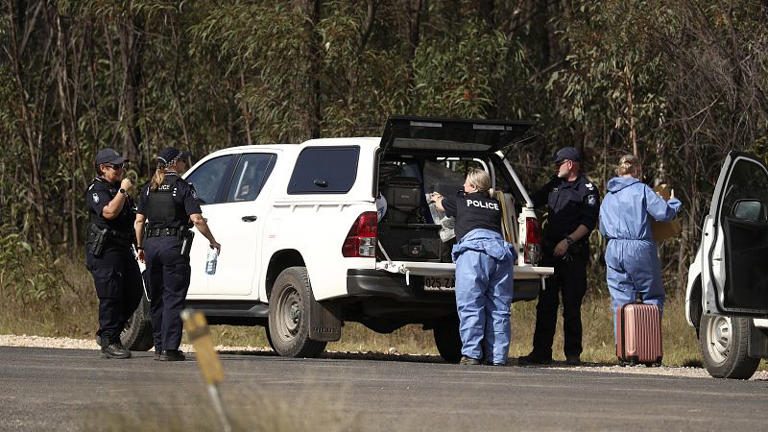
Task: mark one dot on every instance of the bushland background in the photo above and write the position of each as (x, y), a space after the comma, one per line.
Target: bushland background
(677, 82)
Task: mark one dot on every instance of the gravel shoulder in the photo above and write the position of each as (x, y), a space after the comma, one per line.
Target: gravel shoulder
(70, 343)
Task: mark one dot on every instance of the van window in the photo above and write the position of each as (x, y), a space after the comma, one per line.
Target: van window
(210, 177)
(748, 181)
(250, 175)
(324, 170)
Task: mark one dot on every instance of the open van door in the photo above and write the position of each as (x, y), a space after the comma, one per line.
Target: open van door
(736, 247)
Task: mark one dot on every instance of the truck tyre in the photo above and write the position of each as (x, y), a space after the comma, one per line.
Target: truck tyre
(724, 343)
(137, 334)
(448, 340)
(289, 307)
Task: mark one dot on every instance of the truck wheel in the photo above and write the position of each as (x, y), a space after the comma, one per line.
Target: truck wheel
(289, 308)
(137, 334)
(723, 341)
(448, 340)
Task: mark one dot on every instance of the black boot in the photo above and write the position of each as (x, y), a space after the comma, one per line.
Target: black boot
(115, 350)
(172, 355)
(534, 359)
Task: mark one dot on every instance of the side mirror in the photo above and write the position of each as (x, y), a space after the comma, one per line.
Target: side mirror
(749, 210)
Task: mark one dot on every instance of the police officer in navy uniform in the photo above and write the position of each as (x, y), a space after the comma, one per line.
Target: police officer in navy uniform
(109, 250)
(484, 266)
(167, 205)
(573, 203)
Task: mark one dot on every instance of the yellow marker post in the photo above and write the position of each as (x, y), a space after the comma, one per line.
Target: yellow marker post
(207, 359)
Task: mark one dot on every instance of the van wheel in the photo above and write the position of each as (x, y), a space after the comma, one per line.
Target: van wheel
(137, 334)
(289, 308)
(724, 342)
(448, 340)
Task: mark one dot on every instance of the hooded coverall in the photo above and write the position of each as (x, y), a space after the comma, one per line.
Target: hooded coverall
(483, 277)
(483, 294)
(631, 258)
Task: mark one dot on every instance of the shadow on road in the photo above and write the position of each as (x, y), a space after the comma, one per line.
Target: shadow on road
(397, 357)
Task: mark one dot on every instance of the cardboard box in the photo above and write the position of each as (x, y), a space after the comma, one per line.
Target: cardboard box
(665, 230)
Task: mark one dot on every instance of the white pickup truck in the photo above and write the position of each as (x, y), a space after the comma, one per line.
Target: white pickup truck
(727, 290)
(304, 249)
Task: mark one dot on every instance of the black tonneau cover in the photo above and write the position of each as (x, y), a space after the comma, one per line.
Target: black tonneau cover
(450, 135)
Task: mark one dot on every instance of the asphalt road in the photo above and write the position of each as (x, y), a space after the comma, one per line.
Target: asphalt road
(56, 389)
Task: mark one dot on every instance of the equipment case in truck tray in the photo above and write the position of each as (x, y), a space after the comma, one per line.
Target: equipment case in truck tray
(414, 242)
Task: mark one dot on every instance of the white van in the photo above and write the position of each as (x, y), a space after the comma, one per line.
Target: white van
(727, 289)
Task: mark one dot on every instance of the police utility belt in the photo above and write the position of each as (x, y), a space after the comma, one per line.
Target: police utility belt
(98, 238)
(184, 234)
(162, 232)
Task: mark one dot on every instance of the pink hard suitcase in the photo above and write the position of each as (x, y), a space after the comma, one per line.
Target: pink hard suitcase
(638, 327)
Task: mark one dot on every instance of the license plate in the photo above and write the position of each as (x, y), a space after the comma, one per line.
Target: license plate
(439, 283)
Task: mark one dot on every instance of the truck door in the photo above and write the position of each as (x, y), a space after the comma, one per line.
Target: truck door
(738, 245)
(209, 178)
(237, 223)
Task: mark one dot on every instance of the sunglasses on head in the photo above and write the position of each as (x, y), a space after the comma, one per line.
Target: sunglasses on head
(116, 166)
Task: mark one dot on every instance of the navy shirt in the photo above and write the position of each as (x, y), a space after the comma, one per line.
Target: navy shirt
(98, 195)
(472, 211)
(570, 204)
(183, 193)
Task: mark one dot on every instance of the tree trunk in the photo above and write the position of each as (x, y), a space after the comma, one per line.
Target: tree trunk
(310, 11)
(630, 110)
(486, 11)
(414, 25)
(131, 34)
(176, 35)
(31, 105)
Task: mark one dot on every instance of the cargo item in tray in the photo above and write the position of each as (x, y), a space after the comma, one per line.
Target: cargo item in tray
(404, 200)
(414, 242)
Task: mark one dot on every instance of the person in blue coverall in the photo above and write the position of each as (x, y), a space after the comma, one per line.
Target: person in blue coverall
(625, 221)
(484, 263)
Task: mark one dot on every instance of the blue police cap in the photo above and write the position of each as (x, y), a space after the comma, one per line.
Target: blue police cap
(110, 156)
(569, 153)
(167, 155)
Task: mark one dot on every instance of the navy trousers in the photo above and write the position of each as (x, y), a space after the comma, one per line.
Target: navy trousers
(117, 278)
(168, 274)
(570, 282)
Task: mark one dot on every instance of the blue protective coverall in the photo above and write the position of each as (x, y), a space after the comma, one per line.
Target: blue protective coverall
(484, 266)
(631, 257)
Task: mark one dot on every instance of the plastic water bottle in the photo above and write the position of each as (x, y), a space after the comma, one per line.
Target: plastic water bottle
(210, 263)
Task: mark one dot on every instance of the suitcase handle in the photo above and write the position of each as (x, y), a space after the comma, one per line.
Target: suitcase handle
(638, 298)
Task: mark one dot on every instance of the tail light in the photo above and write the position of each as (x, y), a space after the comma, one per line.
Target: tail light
(532, 247)
(361, 239)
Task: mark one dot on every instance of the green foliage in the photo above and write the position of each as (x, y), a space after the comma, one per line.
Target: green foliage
(683, 81)
(458, 72)
(613, 77)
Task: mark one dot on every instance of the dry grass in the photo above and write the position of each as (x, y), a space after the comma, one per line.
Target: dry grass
(68, 308)
(74, 314)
